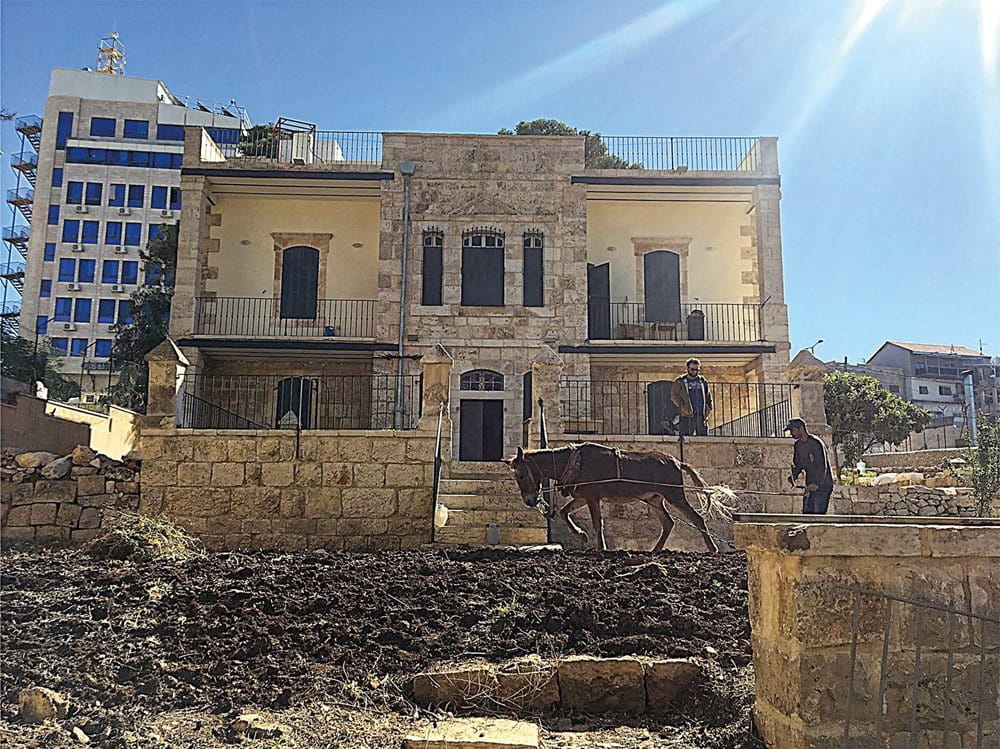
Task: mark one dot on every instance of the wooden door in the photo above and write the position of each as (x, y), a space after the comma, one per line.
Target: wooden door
(662, 273)
(598, 301)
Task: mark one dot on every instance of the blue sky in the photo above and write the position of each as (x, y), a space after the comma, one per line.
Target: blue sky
(887, 112)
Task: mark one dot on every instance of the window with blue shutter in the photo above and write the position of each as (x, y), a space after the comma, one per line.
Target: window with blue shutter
(299, 283)
(482, 268)
(534, 295)
(433, 267)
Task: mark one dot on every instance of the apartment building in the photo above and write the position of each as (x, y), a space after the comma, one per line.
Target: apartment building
(105, 179)
(316, 270)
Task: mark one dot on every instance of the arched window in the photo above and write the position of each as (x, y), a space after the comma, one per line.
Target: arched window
(481, 379)
(534, 243)
(295, 396)
(433, 267)
(482, 267)
(299, 283)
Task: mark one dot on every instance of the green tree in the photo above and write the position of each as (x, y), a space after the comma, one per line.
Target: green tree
(985, 461)
(20, 361)
(862, 413)
(260, 141)
(595, 152)
(150, 320)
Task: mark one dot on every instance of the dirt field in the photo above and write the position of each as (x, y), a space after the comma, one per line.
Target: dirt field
(164, 654)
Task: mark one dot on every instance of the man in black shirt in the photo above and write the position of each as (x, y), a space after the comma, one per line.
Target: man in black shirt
(691, 395)
(809, 455)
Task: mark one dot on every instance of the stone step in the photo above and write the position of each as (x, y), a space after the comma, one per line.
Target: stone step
(474, 733)
(479, 486)
(525, 518)
(481, 501)
(459, 470)
(477, 536)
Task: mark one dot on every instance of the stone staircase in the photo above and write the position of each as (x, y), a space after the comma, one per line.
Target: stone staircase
(478, 495)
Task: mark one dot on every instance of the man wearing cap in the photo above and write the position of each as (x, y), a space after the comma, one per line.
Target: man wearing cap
(809, 455)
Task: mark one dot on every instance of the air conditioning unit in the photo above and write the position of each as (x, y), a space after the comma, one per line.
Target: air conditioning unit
(118, 287)
(69, 326)
(302, 148)
(166, 213)
(111, 328)
(76, 248)
(73, 287)
(81, 208)
(124, 211)
(121, 250)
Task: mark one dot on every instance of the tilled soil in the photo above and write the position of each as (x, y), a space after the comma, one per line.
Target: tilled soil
(127, 641)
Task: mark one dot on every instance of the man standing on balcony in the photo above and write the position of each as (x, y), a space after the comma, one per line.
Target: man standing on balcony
(809, 455)
(691, 395)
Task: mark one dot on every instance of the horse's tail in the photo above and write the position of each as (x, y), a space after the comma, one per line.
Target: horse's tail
(714, 500)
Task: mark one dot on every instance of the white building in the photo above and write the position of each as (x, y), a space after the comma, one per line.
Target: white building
(108, 176)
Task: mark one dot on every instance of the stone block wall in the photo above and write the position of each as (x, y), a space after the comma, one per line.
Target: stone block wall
(903, 501)
(915, 460)
(268, 489)
(802, 619)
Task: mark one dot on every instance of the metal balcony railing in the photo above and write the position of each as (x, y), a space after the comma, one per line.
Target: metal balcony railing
(307, 147)
(249, 317)
(295, 401)
(713, 321)
(637, 408)
(17, 236)
(26, 160)
(10, 313)
(671, 153)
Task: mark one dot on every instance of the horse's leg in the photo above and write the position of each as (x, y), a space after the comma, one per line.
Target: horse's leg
(598, 521)
(574, 504)
(675, 496)
(655, 504)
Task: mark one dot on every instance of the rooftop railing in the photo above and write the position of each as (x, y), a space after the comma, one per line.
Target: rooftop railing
(671, 153)
(309, 147)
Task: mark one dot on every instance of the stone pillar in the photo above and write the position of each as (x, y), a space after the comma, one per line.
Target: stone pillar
(806, 374)
(436, 368)
(193, 245)
(770, 273)
(167, 366)
(815, 587)
(546, 370)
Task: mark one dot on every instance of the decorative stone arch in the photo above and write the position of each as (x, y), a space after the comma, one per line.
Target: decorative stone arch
(680, 246)
(287, 240)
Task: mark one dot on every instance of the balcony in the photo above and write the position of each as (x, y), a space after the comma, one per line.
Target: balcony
(17, 236)
(14, 273)
(217, 401)
(10, 313)
(26, 162)
(291, 142)
(709, 322)
(22, 198)
(30, 126)
(240, 317)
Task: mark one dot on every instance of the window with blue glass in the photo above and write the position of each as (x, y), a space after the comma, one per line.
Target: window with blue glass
(153, 272)
(50, 252)
(67, 270)
(130, 271)
(113, 232)
(136, 196)
(175, 198)
(94, 192)
(170, 132)
(102, 348)
(137, 129)
(57, 176)
(42, 324)
(64, 129)
(81, 312)
(125, 312)
(158, 197)
(53, 215)
(140, 158)
(114, 157)
(71, 230)
(224, 135)
(74, 193)
(91, 231)
(106, 310)
(155, 231)
(102, 127)
(59, 345)
(86, 271)
(109, 271)
(133, 234)
(116, 195)
(64, 308)
(45, 288)
(78, 347)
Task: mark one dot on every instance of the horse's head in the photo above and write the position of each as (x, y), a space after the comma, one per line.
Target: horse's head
(528, 480)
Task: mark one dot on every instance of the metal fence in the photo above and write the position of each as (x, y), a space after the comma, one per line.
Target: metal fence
(716, 321)
(260, 317)
(348, 147)
(293, 401)
(638, 408)
(672, 153)
(921, 671)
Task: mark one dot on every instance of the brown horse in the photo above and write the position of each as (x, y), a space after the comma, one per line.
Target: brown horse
(589, 473)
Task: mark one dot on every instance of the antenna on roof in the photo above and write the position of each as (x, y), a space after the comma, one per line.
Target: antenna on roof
(111, 55)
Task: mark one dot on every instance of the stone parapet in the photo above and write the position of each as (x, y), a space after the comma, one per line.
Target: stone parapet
(820, 597)
(904, 501)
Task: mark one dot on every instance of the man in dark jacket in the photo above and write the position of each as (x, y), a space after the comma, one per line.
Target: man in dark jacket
(809, 455)
(691, 395)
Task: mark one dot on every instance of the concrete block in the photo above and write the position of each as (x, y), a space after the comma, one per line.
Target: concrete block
(665, 679)
(528, 683)
(599, 685)
(455, 687)
(475, 733)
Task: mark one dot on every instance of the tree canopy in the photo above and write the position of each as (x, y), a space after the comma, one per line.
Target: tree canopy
(862, 413)
(20, 361)
(595, 152)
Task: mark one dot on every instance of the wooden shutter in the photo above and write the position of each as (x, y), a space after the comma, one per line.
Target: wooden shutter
(662, 272)
(482, 276)
(533, 277)
(299, 283)
(432, 274)
(598, 301)
(661, 412)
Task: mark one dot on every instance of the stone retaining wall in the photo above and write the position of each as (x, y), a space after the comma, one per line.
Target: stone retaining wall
(903, 501)
(269, 489)
(914, 460)
(802, 620)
